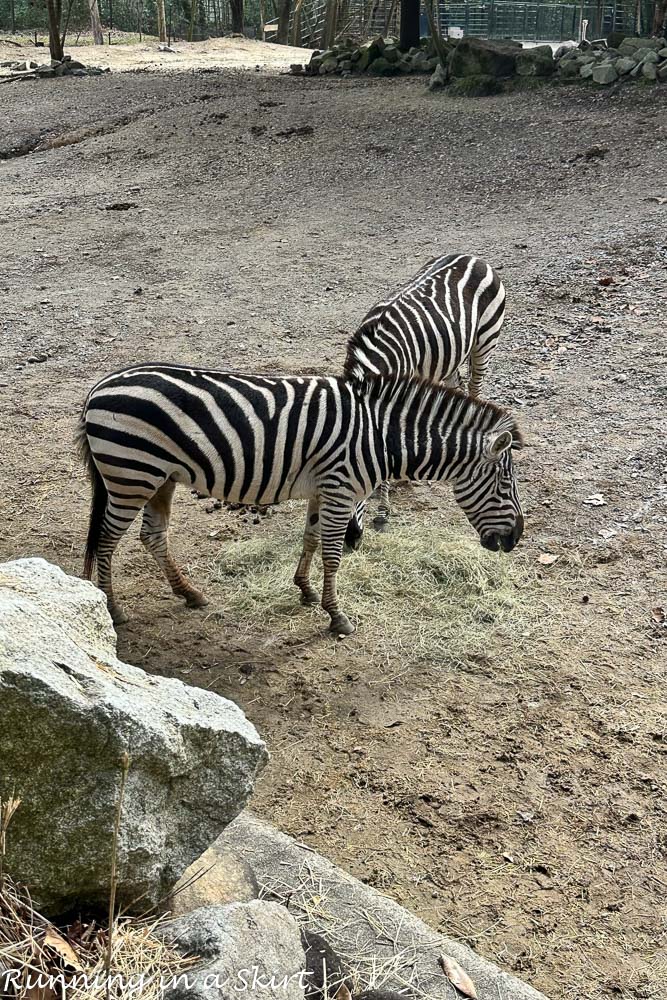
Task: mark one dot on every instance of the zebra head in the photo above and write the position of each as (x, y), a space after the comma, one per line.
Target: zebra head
(486, 489)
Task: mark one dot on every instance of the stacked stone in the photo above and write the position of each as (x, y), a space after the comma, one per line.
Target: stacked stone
(635, 58)
(57, 67)
(380, 57)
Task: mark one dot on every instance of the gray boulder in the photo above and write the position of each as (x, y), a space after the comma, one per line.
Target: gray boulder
(329, 65)
(248, 949)
(569, 68)
(474, 57)
(624, 65)
(537, 61)
(604, 74)
(439, 78)
(69, 711)
(218, 876)
(586, 71)
(382, 67)
(649, 71)
(647, 55)
(662, 72)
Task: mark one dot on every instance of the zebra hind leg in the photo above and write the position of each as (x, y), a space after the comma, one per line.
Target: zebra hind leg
(478, 366)
(155, 537)
(117, 519)
(381, 519)
(354, 533)
(311, 540)
(335, 516)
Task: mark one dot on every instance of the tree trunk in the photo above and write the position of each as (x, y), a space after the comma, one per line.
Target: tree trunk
(95, 22)
(283, 22)
(161, 22)
(237, 16)
(329, 29)
(659, 18)
(409, 34)
(55, 42)
(193, 20)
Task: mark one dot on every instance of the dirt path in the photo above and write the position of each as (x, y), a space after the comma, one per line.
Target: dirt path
(515, 798)
(214, 54)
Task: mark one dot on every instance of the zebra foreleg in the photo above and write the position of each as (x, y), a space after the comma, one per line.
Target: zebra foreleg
(334, 518)
(354, 532)
(155, 536)
(311, 540)
(381, 519)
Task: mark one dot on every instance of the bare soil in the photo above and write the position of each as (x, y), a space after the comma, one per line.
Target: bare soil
(515, 799)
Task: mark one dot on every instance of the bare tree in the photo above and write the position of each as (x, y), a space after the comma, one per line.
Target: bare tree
(236, 7)
(95, 22)
(162, 21)
(283, 22)
(56, 43)
(659, 18)
(329, 28)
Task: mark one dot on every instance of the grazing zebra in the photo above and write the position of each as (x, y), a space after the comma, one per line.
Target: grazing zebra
(449, 314)
(259, 439)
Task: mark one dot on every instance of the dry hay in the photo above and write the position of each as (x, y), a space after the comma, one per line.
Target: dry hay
(421, 591)
(376, 954)
(71, 964)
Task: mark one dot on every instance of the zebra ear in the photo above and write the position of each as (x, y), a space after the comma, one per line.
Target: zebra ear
(495, 443)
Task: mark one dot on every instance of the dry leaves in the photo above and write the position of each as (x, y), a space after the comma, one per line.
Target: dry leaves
(63, 948)
(595, 500)
(457, 977)
(343, 993)
(547, 559)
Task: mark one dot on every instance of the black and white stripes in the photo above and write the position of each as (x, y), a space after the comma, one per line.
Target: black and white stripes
(256, 439)
(446, 318)
(449, 314)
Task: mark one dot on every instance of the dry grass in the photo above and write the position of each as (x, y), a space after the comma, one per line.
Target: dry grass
(74, 960)
(420, 591)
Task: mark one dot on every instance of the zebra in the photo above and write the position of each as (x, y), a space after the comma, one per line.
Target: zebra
(263, 439)
(449, 314)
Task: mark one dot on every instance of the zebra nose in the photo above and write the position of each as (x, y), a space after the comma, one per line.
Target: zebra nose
(509, 540)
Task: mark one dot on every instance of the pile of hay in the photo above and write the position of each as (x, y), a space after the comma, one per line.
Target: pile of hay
(418, 591)
(40, 961)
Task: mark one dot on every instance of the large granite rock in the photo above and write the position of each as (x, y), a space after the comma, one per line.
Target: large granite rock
(69, 710)
(536, 61)
(363, 929)
(475, 57)
(247, 949)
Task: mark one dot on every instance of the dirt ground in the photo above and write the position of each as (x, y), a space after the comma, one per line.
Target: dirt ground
(515, 799)
(144, 56)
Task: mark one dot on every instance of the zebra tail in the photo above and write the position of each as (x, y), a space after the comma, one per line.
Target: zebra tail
(99, 498)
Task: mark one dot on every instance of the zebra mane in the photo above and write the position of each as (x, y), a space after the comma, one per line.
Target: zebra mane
(479, 414)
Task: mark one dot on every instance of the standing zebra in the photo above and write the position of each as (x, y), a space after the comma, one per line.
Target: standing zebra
(448, 315)
(257, 439)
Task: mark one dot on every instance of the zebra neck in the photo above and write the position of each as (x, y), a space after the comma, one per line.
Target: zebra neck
(428, 435)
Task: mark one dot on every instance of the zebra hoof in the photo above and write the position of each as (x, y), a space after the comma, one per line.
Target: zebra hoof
(195, 599)
(118, 616)
(341, 625)
(354, 536)
(381, 523)
(309, 598)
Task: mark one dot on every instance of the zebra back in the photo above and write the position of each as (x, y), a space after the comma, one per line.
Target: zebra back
(450, 311)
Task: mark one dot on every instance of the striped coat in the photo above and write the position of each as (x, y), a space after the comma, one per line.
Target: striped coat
(258, 439)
